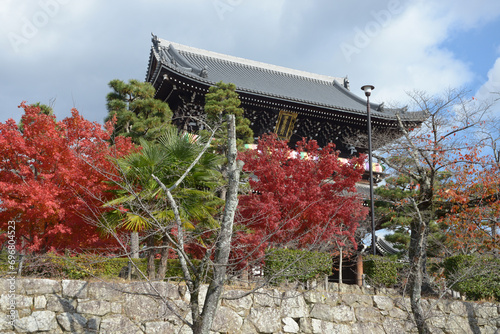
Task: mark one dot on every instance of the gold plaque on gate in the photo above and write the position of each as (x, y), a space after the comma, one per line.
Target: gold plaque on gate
(285, 124)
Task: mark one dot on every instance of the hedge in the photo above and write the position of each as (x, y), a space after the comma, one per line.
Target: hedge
(382, 270)
(296, 265)
(83, 266)
(478, 277)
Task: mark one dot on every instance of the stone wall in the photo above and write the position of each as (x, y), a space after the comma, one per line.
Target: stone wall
(69, 306)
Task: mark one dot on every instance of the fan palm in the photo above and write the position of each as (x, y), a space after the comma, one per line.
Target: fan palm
(140, 203)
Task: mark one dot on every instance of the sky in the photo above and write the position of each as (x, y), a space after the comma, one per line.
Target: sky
(64, 52)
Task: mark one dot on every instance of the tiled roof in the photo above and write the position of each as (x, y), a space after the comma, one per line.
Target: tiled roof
(385, 247)
(266, 80)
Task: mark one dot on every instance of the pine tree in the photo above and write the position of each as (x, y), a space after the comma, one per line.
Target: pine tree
(222, 99)
(138, 114)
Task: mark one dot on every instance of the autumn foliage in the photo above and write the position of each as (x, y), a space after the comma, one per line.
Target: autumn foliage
(52, 175)
(299, 202)
(472, 199)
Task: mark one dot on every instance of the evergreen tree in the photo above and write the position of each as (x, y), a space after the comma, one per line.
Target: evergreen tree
(138, 114)
(394, 209)
(221, 100)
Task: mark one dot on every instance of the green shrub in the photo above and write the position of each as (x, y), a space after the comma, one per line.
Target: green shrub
(382, 270)
(83, 266)
(296, 265)
(478, 277)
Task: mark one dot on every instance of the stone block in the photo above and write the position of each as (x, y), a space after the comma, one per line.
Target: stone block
(290, 325)
(333, 287)
(403, 303)
(368, 314)
(315, 296)
(316, 326)
(93, 323)
(247, 327)
(321, 327)
(104, 291)
(5, 322)
(437, 321)
(142, 308)
(368, 290)
(486, 311)
(74, 289)
(266, 298)
(333, 298)
(489, 330)
(156, 288)
(368, 328)
(94, 307)
(11, 285)
(39, 302)
(40, 286)
(21, 302)
(118, 324)
(45, 320)
(305, 325)
(26, 325)
(341, 313)
(393, 326)
(157, 327)
(457, 307)
(57, 303)
(226, 321)
(398, 313)
(356, 300)
(349, 288)
(72, 322)
(171, 291)
(116, 307)
(459, 324)
(293, 305)
(240, 305)
(383, 302)
(265, 319)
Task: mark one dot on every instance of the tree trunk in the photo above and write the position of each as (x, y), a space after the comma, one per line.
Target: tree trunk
(162, 268)
(340, 266)
(418, 257)
(151, 258)
(203, 324)
(134, 245)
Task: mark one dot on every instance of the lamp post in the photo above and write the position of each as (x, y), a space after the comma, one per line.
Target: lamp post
(368, 91)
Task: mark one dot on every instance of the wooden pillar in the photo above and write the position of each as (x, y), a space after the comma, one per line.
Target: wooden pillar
(359, 270)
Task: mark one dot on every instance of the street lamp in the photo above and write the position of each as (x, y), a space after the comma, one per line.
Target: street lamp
(368, 91)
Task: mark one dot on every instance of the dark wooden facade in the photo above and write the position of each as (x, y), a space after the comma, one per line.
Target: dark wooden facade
(311, 105)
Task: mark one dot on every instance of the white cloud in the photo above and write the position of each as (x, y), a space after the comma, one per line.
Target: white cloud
(33, 29)
(405, 53)
(490, 91)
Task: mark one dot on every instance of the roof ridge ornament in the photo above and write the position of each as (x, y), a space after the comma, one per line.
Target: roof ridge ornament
(155, 40)
(204, 72)
(346, 82)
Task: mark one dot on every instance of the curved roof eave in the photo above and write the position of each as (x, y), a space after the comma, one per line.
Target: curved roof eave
(376, 114)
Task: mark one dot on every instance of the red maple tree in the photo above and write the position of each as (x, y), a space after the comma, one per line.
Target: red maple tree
(52, 175)
(299, 200)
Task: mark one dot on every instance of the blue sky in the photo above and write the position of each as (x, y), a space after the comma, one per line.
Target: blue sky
(65, 52)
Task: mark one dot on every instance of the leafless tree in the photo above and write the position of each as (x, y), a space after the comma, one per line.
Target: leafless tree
(421, 154)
